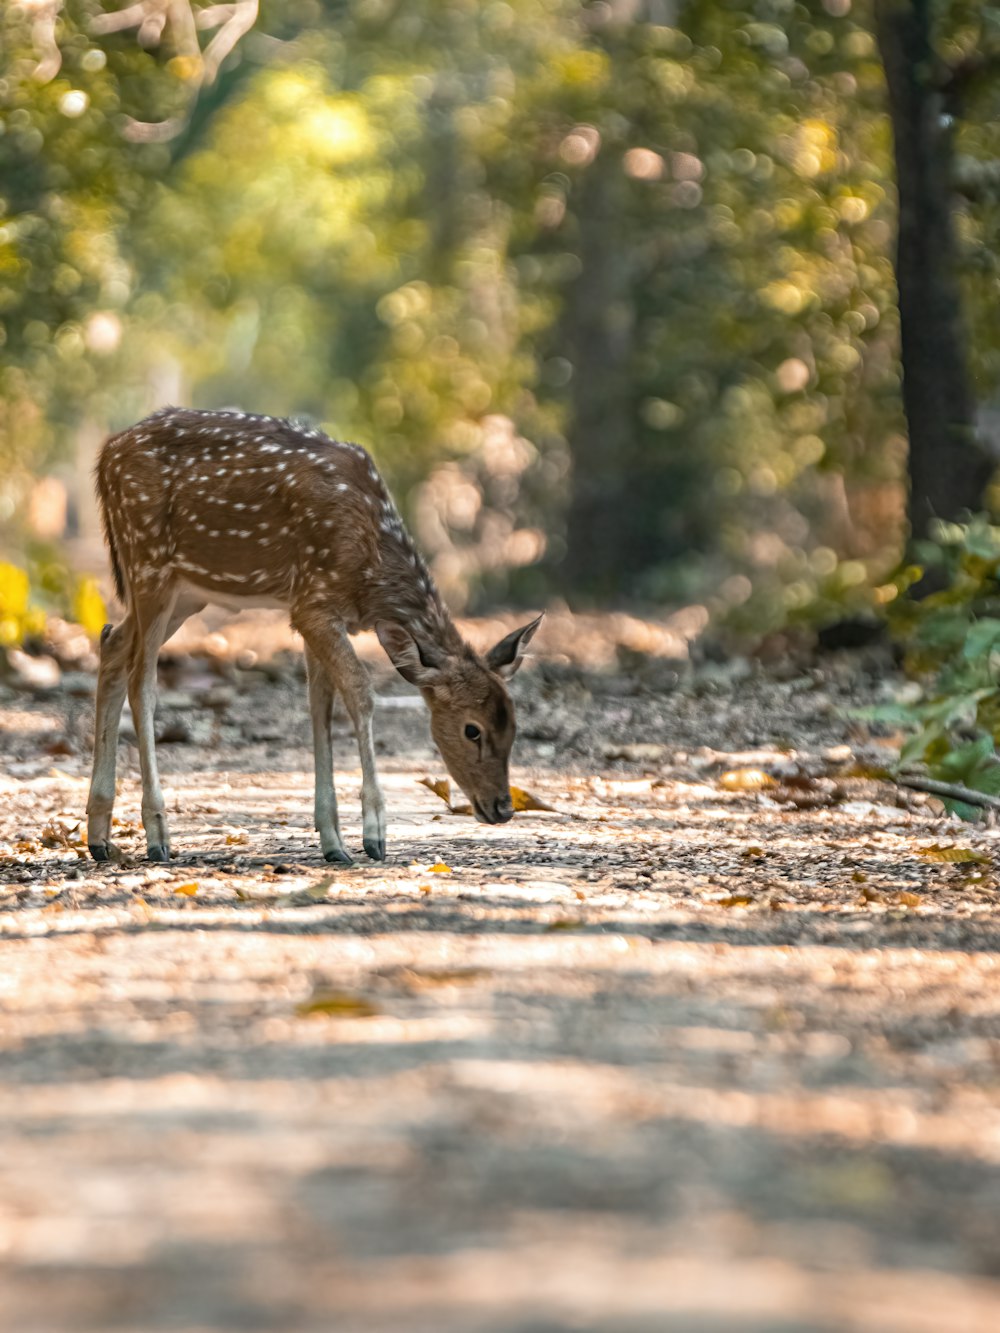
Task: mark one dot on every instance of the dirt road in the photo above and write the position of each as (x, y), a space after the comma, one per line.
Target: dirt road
(695, 1051)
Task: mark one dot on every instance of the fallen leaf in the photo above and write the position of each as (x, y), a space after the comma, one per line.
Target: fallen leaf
(339, 1003)
(188, 890)
(952, 855)
(909, 899)
(422, 978)
(55, 835)
(439, 868)
(442, 787)
(525, 800)
(733, 900)
(565, 923)
(746, 779)
(237, 839)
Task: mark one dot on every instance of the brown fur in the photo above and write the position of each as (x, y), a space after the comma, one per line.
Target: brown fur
(205, 506)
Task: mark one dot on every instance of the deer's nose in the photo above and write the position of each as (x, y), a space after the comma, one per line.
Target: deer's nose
(503, 809)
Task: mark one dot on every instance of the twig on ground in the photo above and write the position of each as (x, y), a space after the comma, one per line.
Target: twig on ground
(952, 791)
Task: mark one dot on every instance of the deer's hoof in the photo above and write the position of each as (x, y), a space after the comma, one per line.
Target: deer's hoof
(100, 851)
(338, 856)
(375, 848)
(158, 852)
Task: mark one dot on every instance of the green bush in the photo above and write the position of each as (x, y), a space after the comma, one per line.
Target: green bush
(951, 640)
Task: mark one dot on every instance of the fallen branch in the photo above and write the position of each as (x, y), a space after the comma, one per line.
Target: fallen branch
(951, 791)
(198, 68)
(43, 32)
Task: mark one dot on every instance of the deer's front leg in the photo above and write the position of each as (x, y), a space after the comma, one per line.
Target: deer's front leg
(325, 804)
(362, 712)
(352, 681)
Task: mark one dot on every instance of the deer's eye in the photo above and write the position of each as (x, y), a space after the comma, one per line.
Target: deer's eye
(472, 732)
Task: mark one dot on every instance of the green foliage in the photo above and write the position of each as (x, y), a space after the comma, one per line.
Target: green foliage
(952, 642)
(464, 234)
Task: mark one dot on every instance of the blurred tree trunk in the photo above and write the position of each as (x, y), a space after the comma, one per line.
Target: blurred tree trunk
(948, 470)
(599, 328)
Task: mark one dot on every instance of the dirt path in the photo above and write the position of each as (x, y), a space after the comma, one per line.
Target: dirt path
(685, 1054)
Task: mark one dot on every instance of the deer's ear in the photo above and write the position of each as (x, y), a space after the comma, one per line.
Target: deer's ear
(505, 657)
(416, 660)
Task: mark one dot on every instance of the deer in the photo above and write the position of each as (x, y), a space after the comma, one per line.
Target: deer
(238, 510)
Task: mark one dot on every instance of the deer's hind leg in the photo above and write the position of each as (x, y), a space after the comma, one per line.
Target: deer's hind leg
(116, 652)
(156, 617)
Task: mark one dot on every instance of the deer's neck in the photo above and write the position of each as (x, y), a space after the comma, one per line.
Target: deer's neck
(399, 588)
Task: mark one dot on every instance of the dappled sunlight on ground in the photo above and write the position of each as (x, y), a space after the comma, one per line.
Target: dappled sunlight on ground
(693, 1050)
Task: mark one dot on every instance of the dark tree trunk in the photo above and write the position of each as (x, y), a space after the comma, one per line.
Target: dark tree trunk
(599, 328)
(948, 470)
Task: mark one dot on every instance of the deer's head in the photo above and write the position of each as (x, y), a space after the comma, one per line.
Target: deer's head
(472, 715)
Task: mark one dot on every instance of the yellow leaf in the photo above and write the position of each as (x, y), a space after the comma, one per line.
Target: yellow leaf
(524, 800)
(909, 899)
(440, 787)
(53, 908)
(746, 779)
(89, 610)
(340, 1003)
(13, 591)
(953, 855)
(733, 900)
(188, 890)
(237, 839)
(439, 868)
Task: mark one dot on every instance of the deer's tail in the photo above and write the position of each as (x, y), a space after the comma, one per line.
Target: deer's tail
(121, 591)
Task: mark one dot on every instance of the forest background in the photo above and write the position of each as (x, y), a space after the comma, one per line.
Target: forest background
(612, 291)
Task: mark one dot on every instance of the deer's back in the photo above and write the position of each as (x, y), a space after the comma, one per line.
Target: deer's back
(231, 502)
